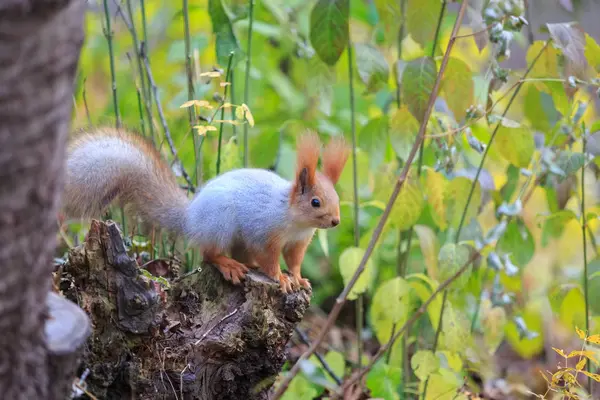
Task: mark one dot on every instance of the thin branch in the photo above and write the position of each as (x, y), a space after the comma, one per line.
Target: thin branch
(324, 363)
(139, 54)
(379, 229)
(585, 258)
(247, 79)
(381, 352)
(163, 120)
(360, 299)
(108, 34)
(190, 82)
(227, 75)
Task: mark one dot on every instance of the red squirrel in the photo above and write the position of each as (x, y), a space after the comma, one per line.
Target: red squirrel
(243, 218)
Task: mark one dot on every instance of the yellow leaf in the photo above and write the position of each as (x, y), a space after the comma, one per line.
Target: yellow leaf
(595, 377)
(430, 248)
(188, 103)
(435, 187)
(227, 121)
(203, 103)
(201, 129)
(581, 364)
(594, 339)
(211, 74)
(559, 351)
(584, 353)
(210, 128)
(248, 115)
(223, 84)
(239, 113)
(226, 105)
(580, 333)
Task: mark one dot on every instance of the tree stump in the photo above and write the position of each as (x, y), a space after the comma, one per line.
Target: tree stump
(200, 338)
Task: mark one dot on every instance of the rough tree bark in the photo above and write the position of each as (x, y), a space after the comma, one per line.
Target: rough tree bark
(198, 338)
(40, 43)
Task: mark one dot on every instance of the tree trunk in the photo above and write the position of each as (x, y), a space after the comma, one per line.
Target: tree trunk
(200, 337)
(40, 43)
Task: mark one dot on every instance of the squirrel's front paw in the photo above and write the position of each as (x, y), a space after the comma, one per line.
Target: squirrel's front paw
(232, 270)
(298, 281)
(285, 283)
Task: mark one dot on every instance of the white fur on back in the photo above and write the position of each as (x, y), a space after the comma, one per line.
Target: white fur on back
(244, 205)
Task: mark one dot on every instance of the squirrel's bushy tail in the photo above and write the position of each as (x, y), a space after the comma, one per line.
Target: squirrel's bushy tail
(108, 164)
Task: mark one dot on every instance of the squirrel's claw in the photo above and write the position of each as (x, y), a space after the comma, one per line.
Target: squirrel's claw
(232, 270)
(298, 281)
(285, 283)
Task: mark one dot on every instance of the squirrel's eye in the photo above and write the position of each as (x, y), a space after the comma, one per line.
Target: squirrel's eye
(315, 203)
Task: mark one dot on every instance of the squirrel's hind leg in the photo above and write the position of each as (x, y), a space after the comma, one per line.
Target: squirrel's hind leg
(231, 269)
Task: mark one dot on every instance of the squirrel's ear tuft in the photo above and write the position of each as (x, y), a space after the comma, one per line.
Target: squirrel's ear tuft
(335, 157)
(308, 149)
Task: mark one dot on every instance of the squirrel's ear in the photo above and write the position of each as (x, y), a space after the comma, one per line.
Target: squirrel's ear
(334, 158)
(307, 152)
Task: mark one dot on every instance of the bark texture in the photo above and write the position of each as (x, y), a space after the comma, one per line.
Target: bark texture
(200, 337)
(40, 43)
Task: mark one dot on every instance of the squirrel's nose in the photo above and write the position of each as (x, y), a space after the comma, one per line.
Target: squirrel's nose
(335, 222)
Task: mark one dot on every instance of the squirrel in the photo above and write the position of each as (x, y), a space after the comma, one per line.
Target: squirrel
(244, 218)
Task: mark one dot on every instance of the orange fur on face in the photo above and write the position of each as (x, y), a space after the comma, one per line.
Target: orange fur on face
(334, 158)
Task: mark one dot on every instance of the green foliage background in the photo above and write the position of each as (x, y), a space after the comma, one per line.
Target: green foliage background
(524, 215)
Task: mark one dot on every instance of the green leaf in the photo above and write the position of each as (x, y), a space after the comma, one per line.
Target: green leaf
(456, 335)
(226, 41)
(451, 258)
(493, 322)
(383, 381)
(337, 363)
(458, 87)
(372, 66)
(408, 206)
(572, 309)
(435, 187)
(554, 225)
(300, 388)
(423, 287)
(570, 162)
(455, 199)
(531, 344)
(424, 363)
(403, 131)
(349, 261)
(390, 307)
(539, 109)
(418, 80)
(570, 39)
(421, 19)
(444, 386)
(329, 29)
(373, 139)
(592, 52)
(517, 240)
(516, 145)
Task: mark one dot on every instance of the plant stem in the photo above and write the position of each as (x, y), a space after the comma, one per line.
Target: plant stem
(163, 120)
(223, 113)
(341, 299)
(108, 34)
(85, 104)
(359, 300)
(138, 55)
(191, 92)
(247, 79)
(585, 259)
